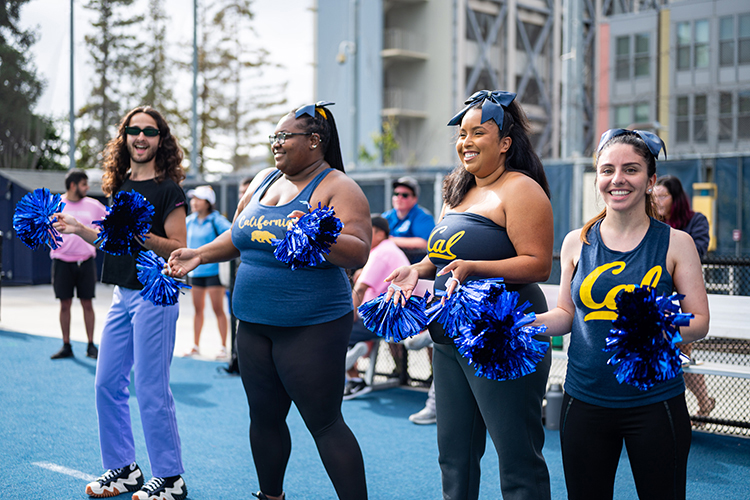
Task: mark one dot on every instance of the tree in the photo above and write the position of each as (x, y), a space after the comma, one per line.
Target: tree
(111, 47)
(20, 88)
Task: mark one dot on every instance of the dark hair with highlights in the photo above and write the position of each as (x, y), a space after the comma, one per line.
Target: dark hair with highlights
(520, 157)
(641, 149)
(329, 135)
(681, 212)
(117, 158)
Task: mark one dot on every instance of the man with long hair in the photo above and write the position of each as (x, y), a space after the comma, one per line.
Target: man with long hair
(146, 158)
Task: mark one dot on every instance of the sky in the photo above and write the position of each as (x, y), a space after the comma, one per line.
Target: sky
(285, 28)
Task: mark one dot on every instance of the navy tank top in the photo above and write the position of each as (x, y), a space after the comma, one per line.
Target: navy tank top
(268, 292)
(600, 275)
(469, 236)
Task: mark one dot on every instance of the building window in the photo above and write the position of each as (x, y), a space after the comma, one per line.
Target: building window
(485, 23)
(701, 44)
(683, 46)
(726, 122)
(744, 39)
(640, 111)
(700, 132)
(642, 58)
(683, 120)
(622, 116)
(743, 117)
(622, 71)
(726, 41)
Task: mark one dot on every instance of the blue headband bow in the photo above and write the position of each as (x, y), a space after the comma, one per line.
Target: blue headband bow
(653, 141)
(492, 104)
(310, 109)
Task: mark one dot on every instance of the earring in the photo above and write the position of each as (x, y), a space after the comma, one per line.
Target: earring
(315, 146)
(649, 191)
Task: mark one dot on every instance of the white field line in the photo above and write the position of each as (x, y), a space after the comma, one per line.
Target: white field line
(65, 470)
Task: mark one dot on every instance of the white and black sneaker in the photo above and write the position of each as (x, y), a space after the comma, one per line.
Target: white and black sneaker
(162, 488)
(116, 481)
(355, 388)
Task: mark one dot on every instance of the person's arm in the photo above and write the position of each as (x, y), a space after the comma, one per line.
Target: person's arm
(67, 224)
(410, 242)
(421, 227)
(358, 292)
(351, 207)
(687, 276)
(528, 221)
(175, 229)
(559, 320)
(699, 232)
(184, 260)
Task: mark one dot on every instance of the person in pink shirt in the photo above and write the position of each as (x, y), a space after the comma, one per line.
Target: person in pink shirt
(73, 263)
(384, 257)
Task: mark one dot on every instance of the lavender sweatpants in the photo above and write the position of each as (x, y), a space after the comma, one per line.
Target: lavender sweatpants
(141, 336)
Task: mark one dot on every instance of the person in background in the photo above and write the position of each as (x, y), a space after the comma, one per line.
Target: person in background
(624, 246)
(410, 224)
(369, 282)
(74, 262)
(673, 205)
(295, 324)
(497, 217)
(204, 225)
(146, 158)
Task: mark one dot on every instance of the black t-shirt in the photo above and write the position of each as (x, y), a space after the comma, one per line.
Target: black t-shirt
(165, 197)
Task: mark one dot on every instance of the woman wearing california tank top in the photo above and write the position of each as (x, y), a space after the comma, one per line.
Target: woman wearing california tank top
(295, 325)
(623, 246)
(496, 221)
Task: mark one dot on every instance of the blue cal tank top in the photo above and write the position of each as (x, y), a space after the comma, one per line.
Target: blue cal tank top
(600, 275)
(468, 236)
(268, 292)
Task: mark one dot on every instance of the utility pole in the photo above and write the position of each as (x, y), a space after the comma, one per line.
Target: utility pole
(194, 148)
(72, 119)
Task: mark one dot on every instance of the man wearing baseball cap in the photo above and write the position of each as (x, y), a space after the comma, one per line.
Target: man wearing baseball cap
(410, 224)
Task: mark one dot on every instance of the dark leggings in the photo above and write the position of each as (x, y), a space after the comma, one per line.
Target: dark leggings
(657, 438)
(304, 365)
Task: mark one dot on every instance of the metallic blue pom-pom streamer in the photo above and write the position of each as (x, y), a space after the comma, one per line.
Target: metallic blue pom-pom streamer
(128, 217)
(644, 337)
(306, 242)
(32, 219)
(466, 305)
(500, 345)
(158, 288)
(394, 322)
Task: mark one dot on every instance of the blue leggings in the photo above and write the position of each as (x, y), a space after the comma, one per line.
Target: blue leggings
(304, 365)
(657, 437)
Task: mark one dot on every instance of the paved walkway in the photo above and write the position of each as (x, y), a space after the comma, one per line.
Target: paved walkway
(34, 310)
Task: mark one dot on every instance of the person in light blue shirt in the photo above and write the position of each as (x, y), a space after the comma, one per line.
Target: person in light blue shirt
(409, 223)
(204, 225)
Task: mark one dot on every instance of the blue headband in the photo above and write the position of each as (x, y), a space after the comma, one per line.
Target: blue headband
(310, 109)
(492, 104)
(653, 141)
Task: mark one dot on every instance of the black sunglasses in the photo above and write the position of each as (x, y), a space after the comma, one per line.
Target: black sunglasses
(148, 131)
(402, 195)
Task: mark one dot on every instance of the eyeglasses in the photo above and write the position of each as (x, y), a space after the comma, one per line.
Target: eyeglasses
(281, 137)
(402, 195)
(653, 141)
(148, 131)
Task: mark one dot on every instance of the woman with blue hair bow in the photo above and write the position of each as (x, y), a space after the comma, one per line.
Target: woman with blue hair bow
(295, 324)
(621, 248)
(496, 221)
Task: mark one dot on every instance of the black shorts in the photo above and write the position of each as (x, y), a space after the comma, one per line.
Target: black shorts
(205, 281)
(67, 276)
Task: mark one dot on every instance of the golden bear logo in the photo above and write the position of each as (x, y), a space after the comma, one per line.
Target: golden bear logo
(263, 236)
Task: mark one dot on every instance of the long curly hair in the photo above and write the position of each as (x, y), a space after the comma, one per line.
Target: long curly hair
(325, 127)
(519, 158)
(116, 164)
(641, 149)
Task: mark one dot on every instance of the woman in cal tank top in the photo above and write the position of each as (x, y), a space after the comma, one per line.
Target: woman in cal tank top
(623, 247)
(496, 221)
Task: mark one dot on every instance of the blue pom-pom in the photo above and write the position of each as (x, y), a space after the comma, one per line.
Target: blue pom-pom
(500, 345)
(644, 337)
(466, 305)
(394, 322)
(306, 242)
(32, 219)
(158, 288)
(128, 218)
